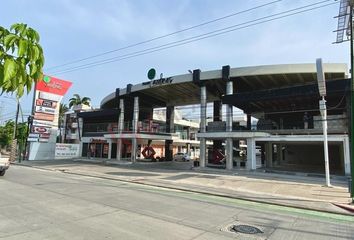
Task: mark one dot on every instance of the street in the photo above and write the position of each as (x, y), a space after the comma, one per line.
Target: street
(41, 204)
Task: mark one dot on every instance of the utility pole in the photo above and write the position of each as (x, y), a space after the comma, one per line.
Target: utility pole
(14, 138)
(351, 3)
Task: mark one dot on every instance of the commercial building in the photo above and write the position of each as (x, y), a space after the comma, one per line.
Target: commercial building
(283, 98)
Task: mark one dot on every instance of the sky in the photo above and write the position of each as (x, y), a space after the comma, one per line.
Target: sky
(77, 29)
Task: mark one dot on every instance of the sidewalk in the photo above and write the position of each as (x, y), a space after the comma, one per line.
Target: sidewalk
(272, 188)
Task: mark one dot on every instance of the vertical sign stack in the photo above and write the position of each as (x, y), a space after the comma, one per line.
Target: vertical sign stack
(43, 132)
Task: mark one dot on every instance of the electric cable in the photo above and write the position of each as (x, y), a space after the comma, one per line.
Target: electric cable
(163, 36)
(196, 38)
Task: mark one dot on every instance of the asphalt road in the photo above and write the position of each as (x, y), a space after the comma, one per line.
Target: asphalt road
(39, 204)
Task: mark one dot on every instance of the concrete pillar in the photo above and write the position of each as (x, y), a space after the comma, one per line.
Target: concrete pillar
(170, 119)
(280, 153)
(120, 129)
(217, 117)
(217, 111)
(170, 128)
(346, 150)
(229, 153)
(229, 120)
(202, 152)
(269, 154)
(229, 114)
(135, 128)
(119, 149)
(110, 149)
(203, 106)
(251, 154)
(249, 127)
(188, 148)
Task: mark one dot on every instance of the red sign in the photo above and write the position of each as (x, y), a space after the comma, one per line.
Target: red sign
(46, 103)
(40, 129)
(148, 152)
(53, 85)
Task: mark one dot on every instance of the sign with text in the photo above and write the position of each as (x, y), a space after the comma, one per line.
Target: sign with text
(46, 103)
(49, 92)
(47, 110)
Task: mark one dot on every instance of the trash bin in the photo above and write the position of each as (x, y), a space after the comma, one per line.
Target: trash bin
(196, 163)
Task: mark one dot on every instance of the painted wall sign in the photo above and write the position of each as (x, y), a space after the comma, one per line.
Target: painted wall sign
(46, 103)
(43, 123)
(47, 110)
(44, 116)
(63, 150)
(50, 96)
(32, 139)
(33, 135)
(94, 140)
(40, 130)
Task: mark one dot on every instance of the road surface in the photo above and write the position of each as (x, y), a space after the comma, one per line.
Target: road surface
(40, 204)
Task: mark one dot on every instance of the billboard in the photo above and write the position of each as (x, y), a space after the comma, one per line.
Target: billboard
(49, 92)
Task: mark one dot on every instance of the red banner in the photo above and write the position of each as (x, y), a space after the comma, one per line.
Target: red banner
(53, 85)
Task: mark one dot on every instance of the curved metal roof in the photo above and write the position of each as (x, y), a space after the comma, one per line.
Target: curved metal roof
(181, 90)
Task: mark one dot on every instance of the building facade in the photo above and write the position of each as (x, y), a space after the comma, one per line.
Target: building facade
(283, 127)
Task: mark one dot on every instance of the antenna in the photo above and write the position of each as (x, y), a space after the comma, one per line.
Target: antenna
(343, 21)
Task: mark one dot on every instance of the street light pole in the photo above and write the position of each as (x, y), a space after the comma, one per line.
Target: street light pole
(321, 81)
(351, 3)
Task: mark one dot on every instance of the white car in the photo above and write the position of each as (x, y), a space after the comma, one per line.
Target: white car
(4, 165)
(181, 157)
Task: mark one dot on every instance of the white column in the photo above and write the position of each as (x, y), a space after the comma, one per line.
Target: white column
(346, 149)
(120, 129)
(229, 120)
(251, 154)
(135, 128)
(110, 149)
(203, 114)
(229, 153)
(202, 153)
(119, 149)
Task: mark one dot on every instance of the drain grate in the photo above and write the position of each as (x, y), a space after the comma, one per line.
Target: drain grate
(246, 229)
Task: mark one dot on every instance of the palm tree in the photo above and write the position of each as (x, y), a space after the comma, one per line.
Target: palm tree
(77, 100)
(62, 110)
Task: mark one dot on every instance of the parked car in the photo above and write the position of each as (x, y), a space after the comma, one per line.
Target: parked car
(181, 157)
(4, 165)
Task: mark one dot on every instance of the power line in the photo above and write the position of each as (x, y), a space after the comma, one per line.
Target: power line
(164, 36)
(198, 37)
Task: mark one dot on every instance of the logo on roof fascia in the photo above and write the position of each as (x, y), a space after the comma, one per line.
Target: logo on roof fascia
(162, 81)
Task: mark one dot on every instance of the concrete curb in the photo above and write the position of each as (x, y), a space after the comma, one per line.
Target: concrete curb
(348, 207)
(349, 212)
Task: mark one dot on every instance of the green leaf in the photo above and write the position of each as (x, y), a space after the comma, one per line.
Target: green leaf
(32, 35)
(1, 75)
(10, 68)
(29, 83)
(20, 28)
(20, 90)
(33, 69)
(9, 41)
(34, 52)
(22, 47)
